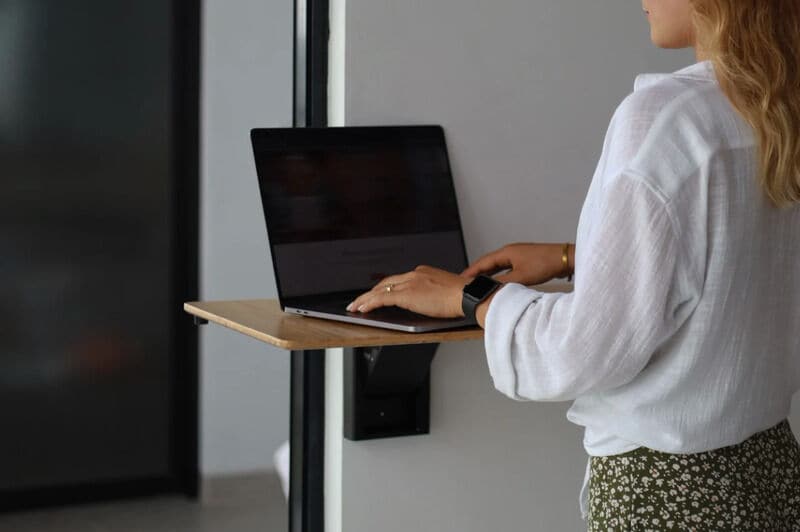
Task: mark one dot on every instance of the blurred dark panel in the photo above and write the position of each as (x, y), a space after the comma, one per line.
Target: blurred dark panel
(87, 225)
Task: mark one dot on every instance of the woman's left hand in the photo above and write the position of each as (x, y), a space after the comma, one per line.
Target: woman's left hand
(426, 290)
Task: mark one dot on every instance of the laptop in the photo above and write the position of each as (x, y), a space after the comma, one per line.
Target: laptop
(347, 206)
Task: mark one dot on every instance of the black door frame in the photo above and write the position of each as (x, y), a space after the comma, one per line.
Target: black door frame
(307, 410)
(311, 35)
(185, 426)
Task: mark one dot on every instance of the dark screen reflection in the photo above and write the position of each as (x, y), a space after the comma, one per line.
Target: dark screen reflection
(385, 186)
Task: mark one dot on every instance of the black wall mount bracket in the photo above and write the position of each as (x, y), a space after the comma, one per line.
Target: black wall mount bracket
(387, 391)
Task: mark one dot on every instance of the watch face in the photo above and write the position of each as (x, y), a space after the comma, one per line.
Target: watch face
(480, 287)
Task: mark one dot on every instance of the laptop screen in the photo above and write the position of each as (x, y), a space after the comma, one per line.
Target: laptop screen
(346, 207)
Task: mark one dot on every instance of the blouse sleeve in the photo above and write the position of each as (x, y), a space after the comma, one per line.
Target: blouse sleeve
(630, 295)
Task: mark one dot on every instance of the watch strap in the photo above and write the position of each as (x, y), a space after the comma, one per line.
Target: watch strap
(469, 302)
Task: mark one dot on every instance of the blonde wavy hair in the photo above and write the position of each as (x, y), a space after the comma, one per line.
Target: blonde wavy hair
(754, 46)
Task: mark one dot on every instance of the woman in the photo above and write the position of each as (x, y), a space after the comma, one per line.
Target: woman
(678, 343)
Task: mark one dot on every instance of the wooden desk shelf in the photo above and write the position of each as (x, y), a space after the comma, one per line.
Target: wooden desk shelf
(264, 320)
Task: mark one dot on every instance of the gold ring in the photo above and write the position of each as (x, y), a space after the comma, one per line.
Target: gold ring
(389, 287)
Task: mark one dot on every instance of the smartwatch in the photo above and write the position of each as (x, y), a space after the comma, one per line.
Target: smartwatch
(479, 289)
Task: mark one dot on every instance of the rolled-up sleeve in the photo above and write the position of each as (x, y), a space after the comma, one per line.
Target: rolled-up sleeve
(632, 292)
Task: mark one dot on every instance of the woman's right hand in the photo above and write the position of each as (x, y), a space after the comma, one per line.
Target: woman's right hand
(527, 264)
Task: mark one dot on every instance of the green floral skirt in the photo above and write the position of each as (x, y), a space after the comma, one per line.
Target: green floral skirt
(752, 486)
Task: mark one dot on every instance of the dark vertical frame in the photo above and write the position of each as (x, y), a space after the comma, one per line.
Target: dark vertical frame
(307, 441)
(311, 35)
(186, 197)
(307, 415)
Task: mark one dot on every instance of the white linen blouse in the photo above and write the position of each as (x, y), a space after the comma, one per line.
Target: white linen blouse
(681, 332)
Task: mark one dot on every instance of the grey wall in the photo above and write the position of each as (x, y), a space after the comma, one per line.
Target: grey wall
(247, 82)
(525, 90)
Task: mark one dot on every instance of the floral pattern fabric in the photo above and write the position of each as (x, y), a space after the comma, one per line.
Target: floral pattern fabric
(752, 486)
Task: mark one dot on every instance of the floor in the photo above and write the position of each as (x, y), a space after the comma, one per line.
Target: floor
(252, 503)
